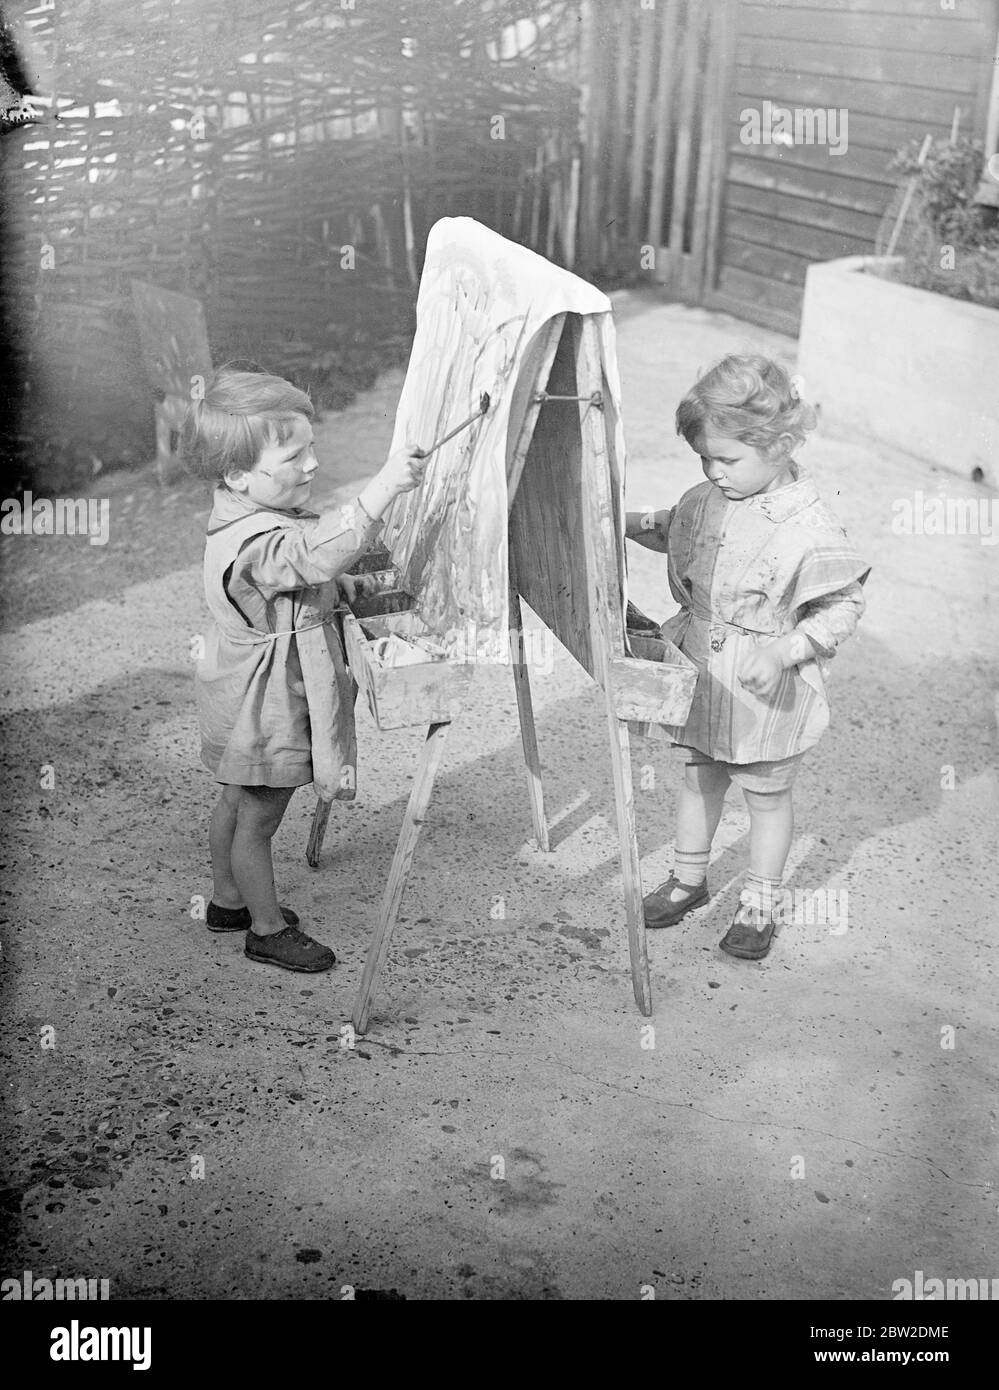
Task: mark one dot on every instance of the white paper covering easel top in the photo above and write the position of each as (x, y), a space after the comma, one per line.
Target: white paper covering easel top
(483, 305)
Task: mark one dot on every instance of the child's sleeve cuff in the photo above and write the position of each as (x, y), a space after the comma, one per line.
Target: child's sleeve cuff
(830, 619)
(349, 520)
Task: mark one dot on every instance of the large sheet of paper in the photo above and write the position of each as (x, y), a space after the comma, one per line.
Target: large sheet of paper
(482, 302)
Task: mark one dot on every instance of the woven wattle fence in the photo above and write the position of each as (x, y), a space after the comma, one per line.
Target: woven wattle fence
(281, 162)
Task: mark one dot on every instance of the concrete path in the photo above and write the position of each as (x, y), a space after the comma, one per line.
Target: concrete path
(816, 1125)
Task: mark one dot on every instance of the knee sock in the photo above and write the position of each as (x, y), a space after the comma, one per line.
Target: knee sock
(691, 866)
(760, 892)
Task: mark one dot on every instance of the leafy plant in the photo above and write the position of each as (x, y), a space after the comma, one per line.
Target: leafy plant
(953, 247)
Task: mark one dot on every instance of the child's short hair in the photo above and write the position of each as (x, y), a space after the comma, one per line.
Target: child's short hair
(746, 397)
(241, 413)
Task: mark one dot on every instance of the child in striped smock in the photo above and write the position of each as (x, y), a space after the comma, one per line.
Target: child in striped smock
(768, 585)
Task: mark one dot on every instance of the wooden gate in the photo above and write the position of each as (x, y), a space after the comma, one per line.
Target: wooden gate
(654, 78)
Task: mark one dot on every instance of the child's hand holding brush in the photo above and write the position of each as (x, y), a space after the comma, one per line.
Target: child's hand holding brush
(403, 470)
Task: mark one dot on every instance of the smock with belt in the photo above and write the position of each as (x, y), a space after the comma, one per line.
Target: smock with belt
(275, 698)
(745, 573)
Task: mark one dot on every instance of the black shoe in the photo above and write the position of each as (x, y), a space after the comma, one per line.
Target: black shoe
(660, 912)
(291, 949)
(751, 933)
(238, 918)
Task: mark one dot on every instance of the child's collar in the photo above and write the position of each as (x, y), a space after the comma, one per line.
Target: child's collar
(235, 503)
(789, 499)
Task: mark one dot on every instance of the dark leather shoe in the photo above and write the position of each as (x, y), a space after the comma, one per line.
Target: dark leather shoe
(238, 918)
(291, 949)
(751, 933)
(660, 912)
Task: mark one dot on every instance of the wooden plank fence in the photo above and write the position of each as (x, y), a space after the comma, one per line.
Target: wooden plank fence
(672, 190)
(653, 82)
(898, 69)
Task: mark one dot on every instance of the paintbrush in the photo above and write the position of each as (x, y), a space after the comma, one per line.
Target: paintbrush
(483, 408)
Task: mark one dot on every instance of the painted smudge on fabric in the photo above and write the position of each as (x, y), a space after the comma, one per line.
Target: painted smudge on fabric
(745, 573)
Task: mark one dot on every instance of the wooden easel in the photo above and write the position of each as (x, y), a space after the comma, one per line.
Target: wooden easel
(566, 560)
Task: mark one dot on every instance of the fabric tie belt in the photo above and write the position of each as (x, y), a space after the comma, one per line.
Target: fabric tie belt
(704, 615)
(260, 637)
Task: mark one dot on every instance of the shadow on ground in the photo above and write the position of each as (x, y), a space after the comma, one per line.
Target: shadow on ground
(504, 1025)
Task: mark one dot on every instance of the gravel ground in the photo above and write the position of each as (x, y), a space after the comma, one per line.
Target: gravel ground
(187, 1124)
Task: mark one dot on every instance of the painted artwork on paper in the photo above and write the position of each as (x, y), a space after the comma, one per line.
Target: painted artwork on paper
(482, 301)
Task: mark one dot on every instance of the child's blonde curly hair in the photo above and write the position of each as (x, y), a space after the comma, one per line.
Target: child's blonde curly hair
(747, 397)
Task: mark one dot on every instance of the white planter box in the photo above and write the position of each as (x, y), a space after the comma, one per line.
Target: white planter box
(902, 366)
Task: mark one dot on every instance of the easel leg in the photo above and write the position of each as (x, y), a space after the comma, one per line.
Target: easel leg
(607, 635)
(319, 818)
(630, 865)
(419, 799)
(528, 734)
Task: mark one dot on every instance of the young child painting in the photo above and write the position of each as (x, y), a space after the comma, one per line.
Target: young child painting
(275, 699)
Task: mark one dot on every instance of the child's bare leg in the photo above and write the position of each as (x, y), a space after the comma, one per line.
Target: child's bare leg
(225, 889)
(771, 826)
(260, 812)
(702, 799)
